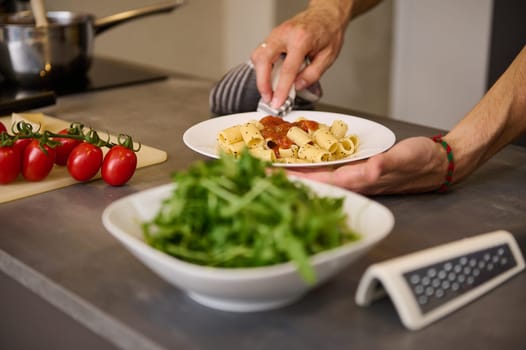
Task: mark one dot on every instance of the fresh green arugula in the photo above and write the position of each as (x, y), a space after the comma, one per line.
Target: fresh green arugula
(233, 213)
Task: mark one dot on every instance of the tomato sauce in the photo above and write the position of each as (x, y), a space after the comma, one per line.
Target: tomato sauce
(275, 129)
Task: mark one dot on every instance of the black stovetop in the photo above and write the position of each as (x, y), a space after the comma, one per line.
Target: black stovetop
(105, 73)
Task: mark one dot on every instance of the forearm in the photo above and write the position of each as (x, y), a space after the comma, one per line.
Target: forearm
(343, 10)
(495, 121)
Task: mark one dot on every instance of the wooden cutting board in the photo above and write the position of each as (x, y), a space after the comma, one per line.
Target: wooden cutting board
(59, 176)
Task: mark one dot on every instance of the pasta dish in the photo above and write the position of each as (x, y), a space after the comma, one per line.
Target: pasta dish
(302, 141)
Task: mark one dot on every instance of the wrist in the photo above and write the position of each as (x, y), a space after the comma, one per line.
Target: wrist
(446, 163)
(340, 11)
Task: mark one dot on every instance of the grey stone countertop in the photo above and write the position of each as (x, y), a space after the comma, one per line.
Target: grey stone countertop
(54, 244)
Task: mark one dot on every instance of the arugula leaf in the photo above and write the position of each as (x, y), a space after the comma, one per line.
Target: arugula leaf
(232, 213)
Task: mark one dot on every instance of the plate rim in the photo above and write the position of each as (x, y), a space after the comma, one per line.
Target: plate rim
(258, 115)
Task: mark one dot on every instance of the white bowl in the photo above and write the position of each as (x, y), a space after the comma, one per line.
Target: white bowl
(245, 289)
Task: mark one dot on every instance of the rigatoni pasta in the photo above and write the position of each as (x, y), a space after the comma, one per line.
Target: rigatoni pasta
(313, 154)
(251, 135)
(299, 136)
(339, 129)
(230, 135)
(325, 139)
(275, 140)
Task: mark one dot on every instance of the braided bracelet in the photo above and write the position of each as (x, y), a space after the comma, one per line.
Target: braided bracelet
(451, 163)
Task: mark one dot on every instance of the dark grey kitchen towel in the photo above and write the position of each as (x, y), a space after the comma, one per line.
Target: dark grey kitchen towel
(236, 92)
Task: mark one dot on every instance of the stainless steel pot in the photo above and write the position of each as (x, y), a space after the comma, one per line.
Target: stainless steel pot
(62, 51)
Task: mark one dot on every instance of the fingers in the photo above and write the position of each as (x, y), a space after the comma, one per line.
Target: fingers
(355, 176)
(290, 74)
(361, 177)
(283, 39)
(325, 175)
(310, 74)
(263, 64)
(289, 70)
(313, 72)
(263, 81)
(263, 58)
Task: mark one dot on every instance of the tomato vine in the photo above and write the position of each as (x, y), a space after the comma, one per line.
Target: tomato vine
(76, 130)
(60, 147)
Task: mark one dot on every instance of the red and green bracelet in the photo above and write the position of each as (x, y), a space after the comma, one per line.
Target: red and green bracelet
(451, 163)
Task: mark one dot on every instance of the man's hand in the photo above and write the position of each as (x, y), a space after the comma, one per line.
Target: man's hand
(316, 33)
(416, 164)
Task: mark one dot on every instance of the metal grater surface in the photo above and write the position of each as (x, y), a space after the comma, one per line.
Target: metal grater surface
(437, 284)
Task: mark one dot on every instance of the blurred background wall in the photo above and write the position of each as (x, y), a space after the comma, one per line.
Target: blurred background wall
(423, 61)
(440, 58)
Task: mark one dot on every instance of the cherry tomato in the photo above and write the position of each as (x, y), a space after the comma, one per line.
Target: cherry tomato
(37, 164)
(119, 165)
(2, 128)
(65, 147)
(21, 145)
(84, 161)
(10, 164)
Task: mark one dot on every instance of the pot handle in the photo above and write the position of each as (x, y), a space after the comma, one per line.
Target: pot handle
(102, 24)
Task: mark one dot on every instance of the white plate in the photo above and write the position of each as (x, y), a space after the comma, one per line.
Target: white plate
(374, 138)
(245, 289)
